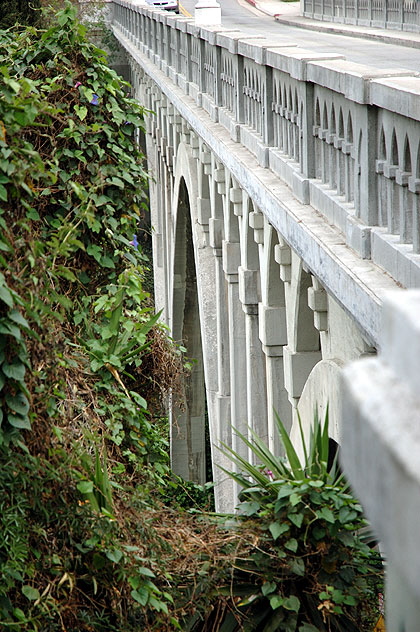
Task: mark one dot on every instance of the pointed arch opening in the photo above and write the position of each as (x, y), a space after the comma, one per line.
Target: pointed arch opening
(188, 416)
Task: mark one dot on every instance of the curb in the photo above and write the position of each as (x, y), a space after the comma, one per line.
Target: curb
(388, 38)
(260, 7)
(315, 25)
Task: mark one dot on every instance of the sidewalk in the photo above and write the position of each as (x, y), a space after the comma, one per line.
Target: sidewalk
(289, 13)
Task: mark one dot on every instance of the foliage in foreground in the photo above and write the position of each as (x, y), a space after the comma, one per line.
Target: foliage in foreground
(87, 541)
(79, 343)
(312, 569)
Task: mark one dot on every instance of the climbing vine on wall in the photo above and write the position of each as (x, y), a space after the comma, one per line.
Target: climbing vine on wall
(76, 331)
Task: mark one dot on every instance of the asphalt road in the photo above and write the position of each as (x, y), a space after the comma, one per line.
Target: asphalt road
(242, 16)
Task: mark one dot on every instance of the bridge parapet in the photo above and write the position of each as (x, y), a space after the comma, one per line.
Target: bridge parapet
(381, 449)
(401, 15)
(344, 137)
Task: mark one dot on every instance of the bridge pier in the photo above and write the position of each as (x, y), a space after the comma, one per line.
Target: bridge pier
(269, 336)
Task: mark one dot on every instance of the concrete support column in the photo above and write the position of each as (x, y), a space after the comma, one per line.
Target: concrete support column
(256, 400)
(273, 336)
(237, 346)
(226, 491)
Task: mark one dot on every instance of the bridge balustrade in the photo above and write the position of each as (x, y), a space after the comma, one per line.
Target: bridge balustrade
(392, 14)
(337, 133)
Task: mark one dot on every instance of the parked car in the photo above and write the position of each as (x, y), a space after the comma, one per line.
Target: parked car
(168, 5)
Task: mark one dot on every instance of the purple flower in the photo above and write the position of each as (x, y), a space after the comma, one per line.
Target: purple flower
(269, 474)
(95, 100)
(134, 243)
(77, 84)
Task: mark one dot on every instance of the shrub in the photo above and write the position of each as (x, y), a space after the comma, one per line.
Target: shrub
(311, 569)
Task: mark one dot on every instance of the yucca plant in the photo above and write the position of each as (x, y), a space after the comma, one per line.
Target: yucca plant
(273, 468)
(310, 570)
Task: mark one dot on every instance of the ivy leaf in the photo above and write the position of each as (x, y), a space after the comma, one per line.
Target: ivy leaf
(292, 545)
(295, 499)
(18, 421)
(141, 595)
(85, 487)
(346, 515)
(30, 593)
(296, 518)
(18, 403)
(3, 193)
(15, 371)
(298, 567)
(114, 556)
(326, 514)
(107, 262)
(276, 529)
(249, 508)
(81, 111)
(276, 601)
(268, 588)
(116, 182)
(292, 603)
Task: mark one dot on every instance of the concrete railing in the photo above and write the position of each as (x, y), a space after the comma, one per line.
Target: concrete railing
(385, 14)
(344, 137)
(381, 450)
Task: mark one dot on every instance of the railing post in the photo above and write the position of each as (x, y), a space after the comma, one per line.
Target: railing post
(201, 69)
(188, 49)
(307, 158)
(366, 155)
(239, 84)
(268, 129)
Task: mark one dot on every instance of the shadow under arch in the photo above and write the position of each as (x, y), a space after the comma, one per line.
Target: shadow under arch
(188, 416)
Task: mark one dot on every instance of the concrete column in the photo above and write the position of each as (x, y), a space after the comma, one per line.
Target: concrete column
(273, 337)
(207, 13)
(255, 365)
(365, 160)
(226, 493)
(268, 129)
(237, 346)
(272, 333)
(239, 78)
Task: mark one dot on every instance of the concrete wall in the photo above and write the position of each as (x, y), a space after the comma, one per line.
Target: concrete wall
(381, 450)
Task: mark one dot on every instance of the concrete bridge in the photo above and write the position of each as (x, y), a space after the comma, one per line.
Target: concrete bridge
(285, 208)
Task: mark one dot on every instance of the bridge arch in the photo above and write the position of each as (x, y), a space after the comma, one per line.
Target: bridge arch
(249, 291)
